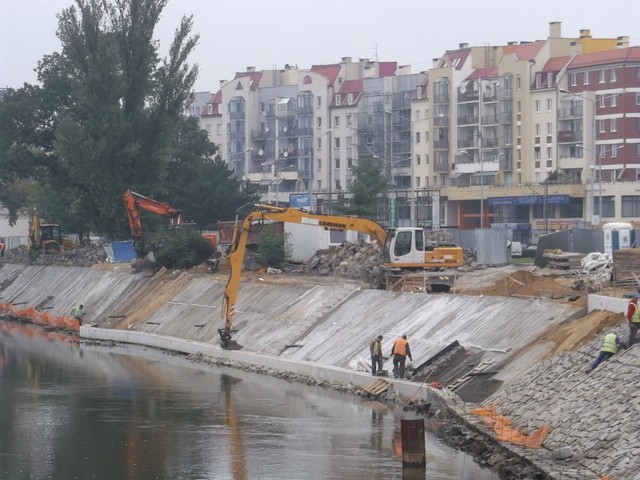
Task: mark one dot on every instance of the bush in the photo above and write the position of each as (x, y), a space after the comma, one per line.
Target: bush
(272, 248)
(183, 249)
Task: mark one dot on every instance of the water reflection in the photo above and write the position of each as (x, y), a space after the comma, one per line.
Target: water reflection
(70, 410)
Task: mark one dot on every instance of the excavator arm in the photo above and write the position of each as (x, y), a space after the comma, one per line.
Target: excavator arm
(278, 214)
(133, 202)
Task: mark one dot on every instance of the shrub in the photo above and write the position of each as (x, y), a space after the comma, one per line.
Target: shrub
(272, 248)
(183, 249)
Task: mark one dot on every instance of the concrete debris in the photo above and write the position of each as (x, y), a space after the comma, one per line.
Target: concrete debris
(85, 256)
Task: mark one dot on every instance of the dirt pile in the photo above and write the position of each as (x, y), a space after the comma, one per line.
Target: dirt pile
(523, 283)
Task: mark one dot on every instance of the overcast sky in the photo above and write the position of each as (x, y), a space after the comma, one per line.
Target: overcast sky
(235, 34)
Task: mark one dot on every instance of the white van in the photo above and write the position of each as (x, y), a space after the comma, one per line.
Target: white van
(516, 249)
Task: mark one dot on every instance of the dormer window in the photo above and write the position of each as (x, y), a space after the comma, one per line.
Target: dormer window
(338, 99)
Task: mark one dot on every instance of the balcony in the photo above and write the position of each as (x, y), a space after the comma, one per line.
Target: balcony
(466, 143)
(442, 99)
(490, 142)
(441, 167)
(569, 137)
(573, 112)
(471, 96)
(441, 143)
(237, 115)
(468, 120)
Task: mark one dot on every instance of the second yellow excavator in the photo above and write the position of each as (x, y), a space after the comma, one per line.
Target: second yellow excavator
(404, 249)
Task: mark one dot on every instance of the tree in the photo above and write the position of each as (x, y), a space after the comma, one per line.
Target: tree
(366, 187)
(205, 188)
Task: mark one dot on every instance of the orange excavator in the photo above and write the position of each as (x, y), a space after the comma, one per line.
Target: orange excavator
(404, 250)
(133, 202)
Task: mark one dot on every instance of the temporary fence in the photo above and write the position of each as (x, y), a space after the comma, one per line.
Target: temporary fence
(501, 425)
(40, 318)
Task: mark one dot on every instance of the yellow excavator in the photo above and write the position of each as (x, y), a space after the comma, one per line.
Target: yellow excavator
(404, 249)
(44, 236)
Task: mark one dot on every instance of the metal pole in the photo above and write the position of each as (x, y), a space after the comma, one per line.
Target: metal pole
(600, 188)
(593, 155)
(481, 192)
(330, 168)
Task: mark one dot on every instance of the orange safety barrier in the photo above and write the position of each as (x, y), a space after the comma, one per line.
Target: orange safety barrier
(32, 331)
(40, 318)
(506, 433)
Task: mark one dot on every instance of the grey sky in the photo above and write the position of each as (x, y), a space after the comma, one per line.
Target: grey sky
(266, 33)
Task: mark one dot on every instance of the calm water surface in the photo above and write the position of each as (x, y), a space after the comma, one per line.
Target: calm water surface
(77, 411)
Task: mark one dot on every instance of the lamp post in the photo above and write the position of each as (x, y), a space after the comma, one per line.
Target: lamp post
(593, 146)
(330, 166)
(412, 196)
(482, 160)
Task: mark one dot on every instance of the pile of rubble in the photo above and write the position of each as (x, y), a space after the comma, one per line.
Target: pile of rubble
(85, 256)
(351, 260)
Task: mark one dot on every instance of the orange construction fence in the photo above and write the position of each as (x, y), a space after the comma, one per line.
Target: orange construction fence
(40, 318)
(506, 433)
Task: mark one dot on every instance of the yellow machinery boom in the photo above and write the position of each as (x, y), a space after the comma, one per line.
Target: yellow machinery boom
(403, 248)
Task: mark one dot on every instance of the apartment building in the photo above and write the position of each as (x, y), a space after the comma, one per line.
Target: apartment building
(491, 136)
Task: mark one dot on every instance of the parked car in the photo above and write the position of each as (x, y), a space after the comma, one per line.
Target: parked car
(530, 250)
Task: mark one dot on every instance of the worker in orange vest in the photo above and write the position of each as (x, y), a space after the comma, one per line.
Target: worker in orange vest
(400, 352)
(633, 317)
(2, 247)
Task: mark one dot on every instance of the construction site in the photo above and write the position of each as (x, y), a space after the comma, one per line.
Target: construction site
(504, 355)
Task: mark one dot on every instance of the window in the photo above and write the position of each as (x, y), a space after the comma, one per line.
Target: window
(350, 99)
(319, 101)
(637, 73)
(614, 124)
(336, 142)
(600, 101)
(538, 80)
(637, 149)
(319, 163)
(637, 98)
(549, 152)
(614, 151)
(537, 129)
(573, 80)
(418, 160)
(319, 143)
(336, 121)
(403, 243)
(608, 206)
(338, 99)
(536, 153)
(585, 78)
(349, 120)
(210, 109)
(549, 105)
(219, 129)
(537, 103)
(417, 137)
(549, 79)
(426, 160)
(600, 126)
(319, 122)
(612, 75)
(337, 163)
(572, 210)
(519, 106)
(630, 206)
(549, 128)
(601, 76)
(637, 124)
(614, 101)
(519, 83)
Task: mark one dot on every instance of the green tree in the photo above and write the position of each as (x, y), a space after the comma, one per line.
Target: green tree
(205, 188)
(368, 184)
(273, 248)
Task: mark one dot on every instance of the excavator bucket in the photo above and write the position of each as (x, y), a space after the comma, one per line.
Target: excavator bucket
(226, 341)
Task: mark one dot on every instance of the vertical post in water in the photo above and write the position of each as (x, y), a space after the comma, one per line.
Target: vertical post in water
(413, 450)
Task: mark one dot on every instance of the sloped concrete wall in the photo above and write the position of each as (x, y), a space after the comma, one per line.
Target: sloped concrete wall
(330, 322)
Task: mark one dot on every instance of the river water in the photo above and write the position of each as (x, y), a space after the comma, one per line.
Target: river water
(70, 410)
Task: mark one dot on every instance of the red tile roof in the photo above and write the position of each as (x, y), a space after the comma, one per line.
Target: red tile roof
(452, 55)
(631, 54)
(354, 87)
(524, 51)
(254, 79)
(387, 69)
(328, 71)
(489, 72)
(556, 64)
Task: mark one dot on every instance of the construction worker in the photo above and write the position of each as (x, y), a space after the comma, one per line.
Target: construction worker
(78, 313)
(610, 346)
(2, 247)
(400, 352)
(376, 354)
(633, 316)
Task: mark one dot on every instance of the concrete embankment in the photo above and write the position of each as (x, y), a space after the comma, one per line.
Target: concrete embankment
(321, 327)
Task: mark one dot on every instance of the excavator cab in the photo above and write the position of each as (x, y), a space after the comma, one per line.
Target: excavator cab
(44, 236)
(404, 246)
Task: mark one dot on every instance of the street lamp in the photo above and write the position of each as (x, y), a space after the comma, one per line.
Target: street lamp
(482, 160)
(412, 197)
(593, 145)
(599, 166)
